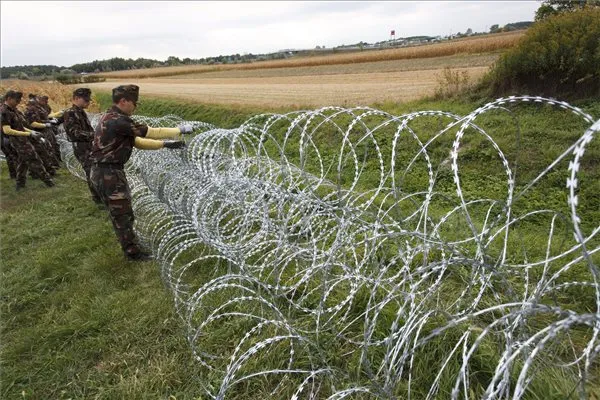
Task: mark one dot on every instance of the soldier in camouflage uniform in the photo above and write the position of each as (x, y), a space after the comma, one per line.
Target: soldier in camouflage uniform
(115, 136)
(14, 126)
(80, 133)
(43, 102)
(10, 154)
(36, 118)
(55, 119)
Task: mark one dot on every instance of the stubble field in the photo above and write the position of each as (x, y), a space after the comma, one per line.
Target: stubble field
(342, 79)
(312, 86)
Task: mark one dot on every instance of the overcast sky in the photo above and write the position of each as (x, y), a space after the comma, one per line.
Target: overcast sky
(67, 33)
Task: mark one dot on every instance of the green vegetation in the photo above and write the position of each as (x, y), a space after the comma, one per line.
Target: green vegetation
(559, 56)
(78, 321)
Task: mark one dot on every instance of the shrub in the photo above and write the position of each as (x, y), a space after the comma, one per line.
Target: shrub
(451, 83)
(72, 79)
(559, 56)
(92, 78)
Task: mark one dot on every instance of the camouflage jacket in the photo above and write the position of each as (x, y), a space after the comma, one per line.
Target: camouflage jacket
(115, 137)
(77, 125)
(13, 117)
(35, 113)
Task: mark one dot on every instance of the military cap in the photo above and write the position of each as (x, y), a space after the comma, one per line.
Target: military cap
(82, 92)
(44, 97)
(127, 92)
(11, 94)
(32, 96)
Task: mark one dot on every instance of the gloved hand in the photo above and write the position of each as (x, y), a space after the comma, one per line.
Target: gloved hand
(174, 144)
(48, 125)
(54, 121)
(35, 135)
(185, 128)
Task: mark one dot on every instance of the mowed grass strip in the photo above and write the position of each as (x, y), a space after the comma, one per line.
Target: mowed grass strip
(473, 45)
(78, 320)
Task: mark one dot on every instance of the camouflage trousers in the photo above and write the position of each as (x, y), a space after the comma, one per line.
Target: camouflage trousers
(82, 151)
(45, 153)
(50, 134)
(27, 159)
(110, 183)
(10, 154)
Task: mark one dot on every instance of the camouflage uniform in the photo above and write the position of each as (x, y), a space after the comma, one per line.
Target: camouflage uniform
(33, 113)
(27, 157)
(45, 110)
(80, 132)
(112, 146)
(10, 155)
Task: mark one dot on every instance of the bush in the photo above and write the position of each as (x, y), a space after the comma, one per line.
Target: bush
(72, 79)
(451, 83)
(67, 79)
(559, 56)
(92, 78)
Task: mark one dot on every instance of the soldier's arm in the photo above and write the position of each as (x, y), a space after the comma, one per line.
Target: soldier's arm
(169, 133)
(163, 133)
(57, 114)
(153, 144)
(36, 124)
(75, 129)
(7, 130)
(148, 144)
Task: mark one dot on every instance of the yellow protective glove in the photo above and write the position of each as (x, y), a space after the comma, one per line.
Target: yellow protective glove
(7, 130)
(56, 114)
(148, 144)
(162, 133)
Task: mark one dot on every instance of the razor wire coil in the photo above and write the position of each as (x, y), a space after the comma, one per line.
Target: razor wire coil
(349, 230)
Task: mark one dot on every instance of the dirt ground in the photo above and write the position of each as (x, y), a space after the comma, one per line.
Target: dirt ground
(345, 85)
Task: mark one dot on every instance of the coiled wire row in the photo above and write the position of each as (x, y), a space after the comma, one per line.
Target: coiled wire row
(350, 253)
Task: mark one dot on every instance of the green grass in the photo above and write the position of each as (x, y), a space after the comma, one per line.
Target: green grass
(79, 321)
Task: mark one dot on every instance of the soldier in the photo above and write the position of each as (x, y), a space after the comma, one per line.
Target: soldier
(55, 119)
(37, 118)
(115, 136)
(43, 102)
(13, 125)
(80, 133)
(10, 154)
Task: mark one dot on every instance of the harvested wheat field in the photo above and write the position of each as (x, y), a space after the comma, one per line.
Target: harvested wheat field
(354, 79)
(313, 86)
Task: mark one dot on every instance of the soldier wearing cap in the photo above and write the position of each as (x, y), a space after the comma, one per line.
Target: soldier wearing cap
(80, 133)
(55, 119)
(43, 102)
(36, 118)
(115, 137)
(14, 126)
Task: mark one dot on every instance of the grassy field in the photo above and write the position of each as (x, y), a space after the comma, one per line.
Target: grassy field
(78, 321)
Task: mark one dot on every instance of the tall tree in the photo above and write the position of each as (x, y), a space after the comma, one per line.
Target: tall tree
(553, 7)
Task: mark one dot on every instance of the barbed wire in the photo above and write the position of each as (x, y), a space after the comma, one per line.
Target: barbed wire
(350, 253)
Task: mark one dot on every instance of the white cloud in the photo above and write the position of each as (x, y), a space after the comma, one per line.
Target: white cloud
(66, 33)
